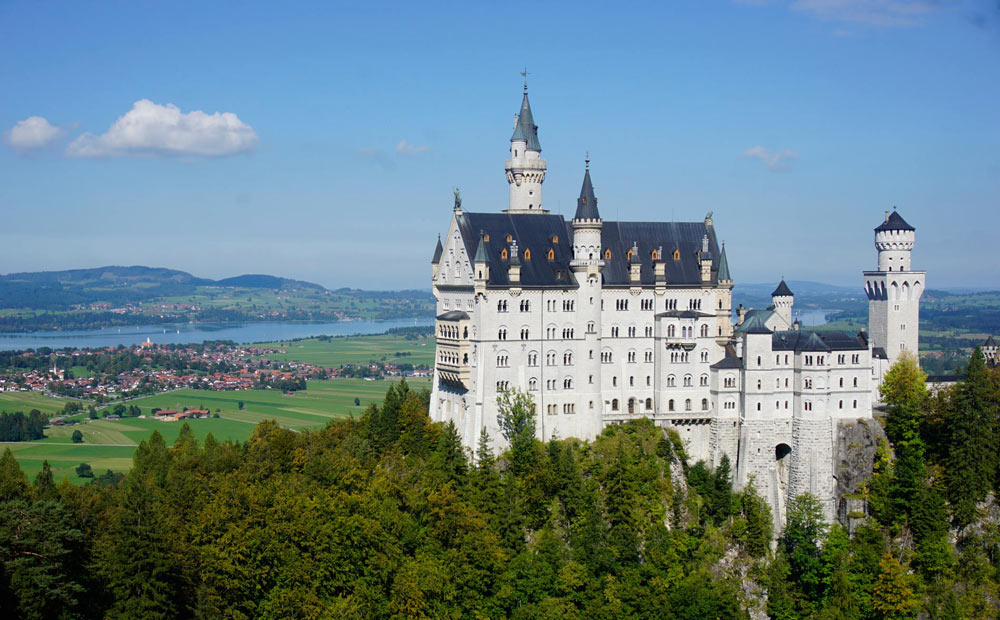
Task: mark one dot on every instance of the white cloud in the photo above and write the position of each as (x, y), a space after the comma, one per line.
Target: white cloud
(775, 160)
(32, 133)
(405, 148)
(883, 13)
(150, 129)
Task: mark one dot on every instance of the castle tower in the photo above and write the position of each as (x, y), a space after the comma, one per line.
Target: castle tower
(586, 266)
(525, 168)
(782, 299)
(894, 291)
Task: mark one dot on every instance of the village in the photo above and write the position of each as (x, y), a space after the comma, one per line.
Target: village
(110, 373)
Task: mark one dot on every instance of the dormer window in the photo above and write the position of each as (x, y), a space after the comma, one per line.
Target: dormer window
(677, 254)
(607, 254)
(655, 255)
(503, 254)
(527, 254)
(510, 238)
(486, 238)
(628, 255)
(551, 254)
(555, 238)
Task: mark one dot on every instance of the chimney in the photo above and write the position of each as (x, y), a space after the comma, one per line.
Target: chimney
(741, 315)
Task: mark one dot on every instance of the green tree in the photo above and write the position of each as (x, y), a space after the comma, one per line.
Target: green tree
(45, 486)
(83, 470)
(893, 597)
(805, 531)
(13, 482)
(516, 418)
(759, 525)
(972, 454)
(77, 436)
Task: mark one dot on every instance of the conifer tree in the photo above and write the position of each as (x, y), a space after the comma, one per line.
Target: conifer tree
(13, 482)
(972, 454)
(893, 596)
(45, 486)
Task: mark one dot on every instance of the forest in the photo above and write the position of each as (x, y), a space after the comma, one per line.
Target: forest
(386, 516)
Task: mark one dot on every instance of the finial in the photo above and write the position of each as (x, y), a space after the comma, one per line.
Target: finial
(586, 161)
(524, 74)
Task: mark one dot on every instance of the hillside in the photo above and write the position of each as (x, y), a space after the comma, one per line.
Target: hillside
(137, 295)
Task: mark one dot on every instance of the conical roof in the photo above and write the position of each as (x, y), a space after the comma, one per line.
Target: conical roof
(437, 252)
(724, 266)
(782, 290)
(894, 221)
(481, 256)
(586, 204)
(526, 129)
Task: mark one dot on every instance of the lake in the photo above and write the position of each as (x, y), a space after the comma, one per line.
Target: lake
(188, 333)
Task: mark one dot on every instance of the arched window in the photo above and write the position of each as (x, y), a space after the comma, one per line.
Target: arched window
(551, 255)
(607, 254)
(670, 381)
(677, 254)
(503, 254)
(527, 254)
(687, 380)
(654, 255)
(555, 238)
(704, 380)
(649, 404)
(532, 384)
(704, 404)
(687, 404)
(502, 333)
(614, 404)
(670, 405)
(568, 383)
(670, 331)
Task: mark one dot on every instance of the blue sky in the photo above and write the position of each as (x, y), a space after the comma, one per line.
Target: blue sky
(343, 129)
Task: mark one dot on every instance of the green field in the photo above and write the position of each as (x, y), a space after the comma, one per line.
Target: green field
(356, 350)
(26, 401)
(109, 444)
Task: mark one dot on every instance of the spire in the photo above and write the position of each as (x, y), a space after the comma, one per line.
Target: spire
(724, 266)
(526, 129)
(481, 256)
(437, 252)
(586, 204)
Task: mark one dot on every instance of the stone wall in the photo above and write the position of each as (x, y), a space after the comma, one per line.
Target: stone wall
(854, 455)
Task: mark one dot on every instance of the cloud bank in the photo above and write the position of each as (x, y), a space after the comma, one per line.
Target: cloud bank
(878, 13)
(775, 160)
(153, 130)
(31, 134)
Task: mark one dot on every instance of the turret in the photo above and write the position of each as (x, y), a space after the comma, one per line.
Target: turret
(587, 225)
(782, 300)
(481, 267)
(525, 168)
(894, 240)
(723, 277)
(437, 259)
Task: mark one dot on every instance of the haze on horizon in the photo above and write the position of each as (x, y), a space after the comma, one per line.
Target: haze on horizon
(322, 142)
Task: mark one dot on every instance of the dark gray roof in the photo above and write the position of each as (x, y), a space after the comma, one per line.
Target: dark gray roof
(755, 325)
(782, 290)
(437, 252)
(879, 353)
(990, 342)
(751, 316)
(730, 360)
(534, 232)
(724, 266)
(684, 314)
(826, 340)
(526, 129)
(586, 204)
(894, 222)
(453, 315)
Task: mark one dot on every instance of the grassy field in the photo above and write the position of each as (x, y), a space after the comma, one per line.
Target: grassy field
(26, 401)
(109, 444)
(356, 350)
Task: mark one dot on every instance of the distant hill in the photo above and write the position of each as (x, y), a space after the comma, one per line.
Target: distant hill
(117, 285)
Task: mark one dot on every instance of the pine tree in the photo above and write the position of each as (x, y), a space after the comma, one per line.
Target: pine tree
(516, 418)
(893, 597)
(45, 486)
(13, 482)
(972, 454)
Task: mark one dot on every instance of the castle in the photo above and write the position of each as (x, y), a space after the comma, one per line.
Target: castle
(604, 321)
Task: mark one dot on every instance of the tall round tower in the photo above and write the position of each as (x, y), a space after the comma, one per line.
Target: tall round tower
(894, 292)
(782, 299)
(525, 168)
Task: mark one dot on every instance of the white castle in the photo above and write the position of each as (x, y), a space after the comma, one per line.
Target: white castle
(603, 322)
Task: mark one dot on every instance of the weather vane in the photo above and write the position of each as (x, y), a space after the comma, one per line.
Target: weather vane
(525, 75)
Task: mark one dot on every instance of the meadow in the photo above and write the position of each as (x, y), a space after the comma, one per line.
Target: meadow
(109, 444)
(333, 352)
